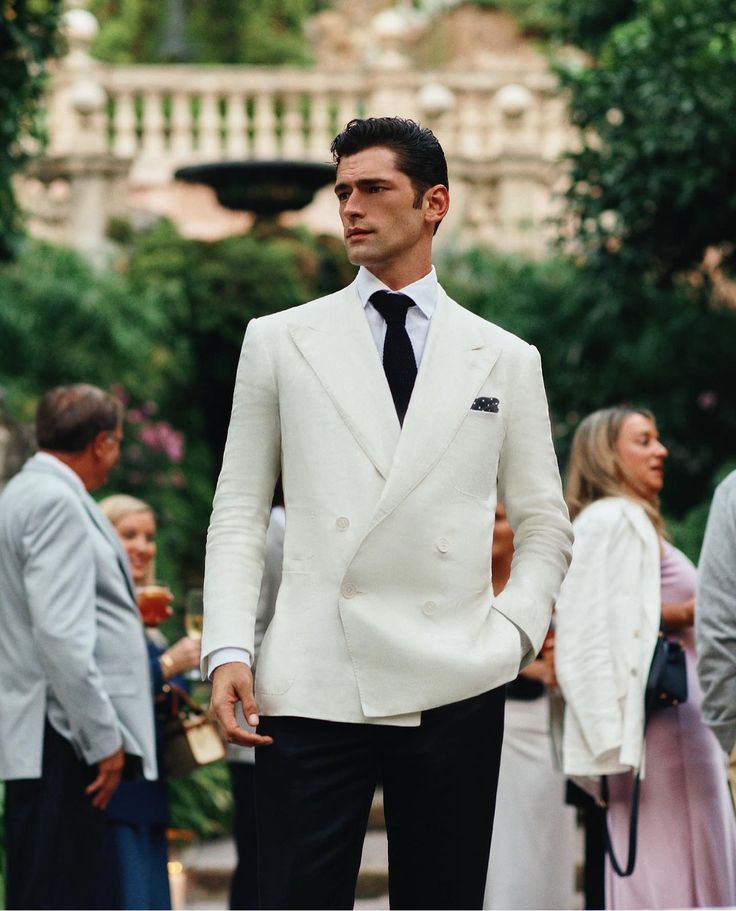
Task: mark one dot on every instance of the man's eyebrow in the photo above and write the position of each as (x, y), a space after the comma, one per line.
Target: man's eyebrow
(363, 183)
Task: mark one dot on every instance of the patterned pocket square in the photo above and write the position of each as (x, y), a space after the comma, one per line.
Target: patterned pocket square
(485, 404)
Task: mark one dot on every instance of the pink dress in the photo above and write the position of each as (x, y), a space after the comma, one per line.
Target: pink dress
(686, 856)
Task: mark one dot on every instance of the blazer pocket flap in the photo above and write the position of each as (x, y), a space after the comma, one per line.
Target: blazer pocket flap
(119, 684)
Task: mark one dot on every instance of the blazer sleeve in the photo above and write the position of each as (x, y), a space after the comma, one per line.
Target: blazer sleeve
(529, 487)
(715, 616)
(583, 647)
(59, 577)
(236, 538)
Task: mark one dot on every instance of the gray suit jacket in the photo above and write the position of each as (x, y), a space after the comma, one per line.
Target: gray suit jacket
(715, 615)
(72, 647)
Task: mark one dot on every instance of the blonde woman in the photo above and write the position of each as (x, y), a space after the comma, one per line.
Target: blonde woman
(625, 579)
(134, 873)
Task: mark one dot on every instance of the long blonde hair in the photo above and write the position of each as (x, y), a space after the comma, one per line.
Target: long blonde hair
(117, 507)
(594, 469)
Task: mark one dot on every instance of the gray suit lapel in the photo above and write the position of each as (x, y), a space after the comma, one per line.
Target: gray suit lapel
(94, 512)
(455, 364)
(340, 349)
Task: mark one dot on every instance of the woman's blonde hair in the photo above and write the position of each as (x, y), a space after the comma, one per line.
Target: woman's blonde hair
(594, 469)
(117, 507)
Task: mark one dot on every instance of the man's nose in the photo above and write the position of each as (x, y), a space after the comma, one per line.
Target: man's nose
(353, 206)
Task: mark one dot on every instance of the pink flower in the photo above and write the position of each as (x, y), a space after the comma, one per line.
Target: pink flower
(135, 416)
(161, 437)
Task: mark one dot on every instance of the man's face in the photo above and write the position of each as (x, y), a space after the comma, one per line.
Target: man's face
(381, 226)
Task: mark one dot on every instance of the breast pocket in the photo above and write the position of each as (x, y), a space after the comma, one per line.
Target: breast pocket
(119, 684)
(474, 453)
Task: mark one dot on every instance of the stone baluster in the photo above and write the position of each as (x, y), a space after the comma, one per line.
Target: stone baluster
(319, 126)
(347, 109)
(209, 127)
(124, 137)
(293, 135)
(264, 122)
(152, 140)
(236, 139)
(182, 126)
(469, 120)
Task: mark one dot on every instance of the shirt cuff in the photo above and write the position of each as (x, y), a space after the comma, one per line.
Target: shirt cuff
(224, 656)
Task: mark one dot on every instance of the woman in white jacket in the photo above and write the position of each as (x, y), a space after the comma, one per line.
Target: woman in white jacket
(624, 580)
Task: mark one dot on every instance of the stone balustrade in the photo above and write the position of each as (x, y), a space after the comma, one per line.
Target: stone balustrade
(162, 117)
(118, 133)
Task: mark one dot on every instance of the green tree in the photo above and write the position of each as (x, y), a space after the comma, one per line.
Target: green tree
(653, 184)
(662, 348)
(215, 31)
(28, 37)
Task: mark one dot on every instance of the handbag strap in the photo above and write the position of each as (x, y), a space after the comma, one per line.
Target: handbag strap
(178, 694)
(633, 827)
(634, 817)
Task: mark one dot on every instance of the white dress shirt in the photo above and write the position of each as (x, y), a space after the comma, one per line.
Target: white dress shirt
(424, 294)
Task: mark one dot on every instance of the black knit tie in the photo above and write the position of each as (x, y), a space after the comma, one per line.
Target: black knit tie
(398, 355)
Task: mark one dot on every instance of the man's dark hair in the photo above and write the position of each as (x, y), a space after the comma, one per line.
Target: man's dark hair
(416, 150)
(70, 417)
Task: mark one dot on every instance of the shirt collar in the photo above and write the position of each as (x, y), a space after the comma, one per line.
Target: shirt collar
(68, 472)
(422, 292)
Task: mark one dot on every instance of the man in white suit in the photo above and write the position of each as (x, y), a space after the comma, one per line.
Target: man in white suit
(75, 695)
(394, 416)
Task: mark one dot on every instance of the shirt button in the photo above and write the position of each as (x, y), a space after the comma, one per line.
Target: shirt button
(429, 607)
(443, 545)
(637, 633)
(348, 590)
(342, 523)
(633, 672)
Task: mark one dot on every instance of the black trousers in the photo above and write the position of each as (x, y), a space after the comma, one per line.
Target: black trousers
(53, 834)
(314, 788)
(243, 888)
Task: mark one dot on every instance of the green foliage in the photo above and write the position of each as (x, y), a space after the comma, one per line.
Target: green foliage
(213, 31)
(57, 317)
(666, 349)
(202, 802)
(28, 37)
(654, 183)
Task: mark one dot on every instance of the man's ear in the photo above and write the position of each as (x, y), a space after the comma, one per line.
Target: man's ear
(97, 445)
(436, 203)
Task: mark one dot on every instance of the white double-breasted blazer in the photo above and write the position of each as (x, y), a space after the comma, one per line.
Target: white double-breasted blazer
(607, 623)
(385, 606)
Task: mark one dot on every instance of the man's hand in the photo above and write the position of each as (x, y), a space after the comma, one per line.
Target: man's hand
(109, 773)
(233, 683)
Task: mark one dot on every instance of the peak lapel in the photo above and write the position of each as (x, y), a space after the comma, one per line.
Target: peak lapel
(339, 347)
(456, 361)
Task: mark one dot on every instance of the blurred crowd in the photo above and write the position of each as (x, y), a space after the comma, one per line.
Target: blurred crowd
(575, 716)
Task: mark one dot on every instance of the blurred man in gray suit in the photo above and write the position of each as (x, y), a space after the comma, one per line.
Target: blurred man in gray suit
(715, 621)
(75, 695)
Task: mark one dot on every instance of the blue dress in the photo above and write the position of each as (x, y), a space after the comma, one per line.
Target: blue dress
(134, 873)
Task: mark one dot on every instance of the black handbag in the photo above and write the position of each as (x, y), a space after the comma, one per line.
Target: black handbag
(666, 686)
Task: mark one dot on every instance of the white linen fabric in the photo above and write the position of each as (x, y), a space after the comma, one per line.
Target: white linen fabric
(606, 625)
(533, 851)
(385, 607)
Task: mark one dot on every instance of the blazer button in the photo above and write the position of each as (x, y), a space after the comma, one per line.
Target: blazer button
(349, 590)
(342, 523)
(429, 607)
(443, 545)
